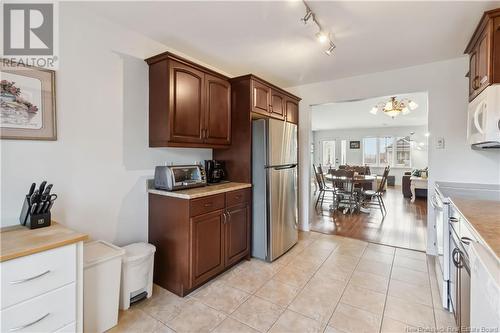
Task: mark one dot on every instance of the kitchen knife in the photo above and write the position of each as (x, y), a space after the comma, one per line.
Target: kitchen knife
(34, 208)
(45, 207)
(34, 197)
(42, 186)
(32, 189)
(50, 205)
(46, 193)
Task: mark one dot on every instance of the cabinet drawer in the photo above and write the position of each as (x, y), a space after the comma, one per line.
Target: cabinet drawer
(46, 313)
(206, 204)
(237, 197)
(71, 328)
(33, 275)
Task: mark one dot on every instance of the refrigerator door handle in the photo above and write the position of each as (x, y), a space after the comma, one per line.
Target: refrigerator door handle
(283, 167)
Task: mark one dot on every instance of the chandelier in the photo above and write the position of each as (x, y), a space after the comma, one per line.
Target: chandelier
(394, 107)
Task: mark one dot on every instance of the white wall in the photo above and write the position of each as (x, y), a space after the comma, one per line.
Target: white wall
(101, 160)
(446, 85)
(355, 156)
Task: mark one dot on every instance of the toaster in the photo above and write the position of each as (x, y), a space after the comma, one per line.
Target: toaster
(179, 177)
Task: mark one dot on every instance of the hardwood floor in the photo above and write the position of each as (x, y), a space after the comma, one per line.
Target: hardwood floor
(405, 224)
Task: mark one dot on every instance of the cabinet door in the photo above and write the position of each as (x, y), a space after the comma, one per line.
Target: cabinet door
(261, 98)
(207, 252)
(237, 238)
(472, 73)
(218, 110)
(292, 111)
(277, 105)
(483, 62)
(187, 102)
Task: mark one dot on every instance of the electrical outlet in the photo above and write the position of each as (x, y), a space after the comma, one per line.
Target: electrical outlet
(440, 143)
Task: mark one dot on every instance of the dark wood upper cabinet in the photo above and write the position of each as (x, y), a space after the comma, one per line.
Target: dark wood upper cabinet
(251, 98)
(277, 104)
(292, 111)
(484, 54)
(218, 115)
(261, 101)
(186, 117)
(189, 105)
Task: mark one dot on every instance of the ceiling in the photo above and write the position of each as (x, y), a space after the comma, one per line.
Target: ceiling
(267, 38)
(355, 114)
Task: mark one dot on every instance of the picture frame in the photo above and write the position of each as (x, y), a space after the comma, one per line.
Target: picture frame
(354, 144)
(27, 102)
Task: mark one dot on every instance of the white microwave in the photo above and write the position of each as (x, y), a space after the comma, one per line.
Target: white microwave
(483, 119)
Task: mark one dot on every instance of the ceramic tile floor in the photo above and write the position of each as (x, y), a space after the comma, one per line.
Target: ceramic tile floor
(326, 283)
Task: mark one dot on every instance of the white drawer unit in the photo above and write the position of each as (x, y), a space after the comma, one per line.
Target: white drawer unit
(68, 328)
(46, 313)
(36, 274)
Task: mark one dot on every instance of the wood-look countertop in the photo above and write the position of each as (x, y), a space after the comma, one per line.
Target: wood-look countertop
(484, 217)
(205, 191)
(19, 241)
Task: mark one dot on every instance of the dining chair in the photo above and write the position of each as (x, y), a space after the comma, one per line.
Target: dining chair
(343, 183)
(323, 188)
(369, 195)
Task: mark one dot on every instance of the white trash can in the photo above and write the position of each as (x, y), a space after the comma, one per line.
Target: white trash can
(137, 273)
(102, 263)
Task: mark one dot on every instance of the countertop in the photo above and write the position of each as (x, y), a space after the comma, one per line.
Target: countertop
(484, 217)
(18, 241)
(480, 205)
(199, 192)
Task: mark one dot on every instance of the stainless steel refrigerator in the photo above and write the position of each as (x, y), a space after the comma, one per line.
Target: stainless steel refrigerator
(274, 178)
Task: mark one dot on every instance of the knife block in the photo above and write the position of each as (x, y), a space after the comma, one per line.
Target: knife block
(33, 221)
(38, 220)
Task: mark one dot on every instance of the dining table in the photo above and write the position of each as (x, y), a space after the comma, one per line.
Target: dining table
(356, 180)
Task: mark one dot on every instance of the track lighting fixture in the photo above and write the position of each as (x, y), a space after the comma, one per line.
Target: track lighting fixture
(329, 51)
(321, 35)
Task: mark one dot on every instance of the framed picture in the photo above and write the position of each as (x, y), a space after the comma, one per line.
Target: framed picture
(27, 102)
(354, 144)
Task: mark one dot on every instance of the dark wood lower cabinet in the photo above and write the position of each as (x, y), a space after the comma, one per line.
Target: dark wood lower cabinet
(237, 233)
(207, 246)
(198, 239)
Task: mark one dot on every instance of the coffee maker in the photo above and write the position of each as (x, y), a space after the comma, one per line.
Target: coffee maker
(215, 171)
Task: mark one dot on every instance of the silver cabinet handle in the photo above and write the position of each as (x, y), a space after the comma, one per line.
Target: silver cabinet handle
(466, 240)
(225, 218)
(30, 324)
(453, 219)
(30, 278)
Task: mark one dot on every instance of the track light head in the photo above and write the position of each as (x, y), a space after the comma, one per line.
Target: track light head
(322, 37)
(329, 51)
(308, 15)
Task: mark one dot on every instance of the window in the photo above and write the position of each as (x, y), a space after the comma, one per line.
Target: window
(370, 151)
(328, 153)
(343, 152)
(403, 152)
(383, 151)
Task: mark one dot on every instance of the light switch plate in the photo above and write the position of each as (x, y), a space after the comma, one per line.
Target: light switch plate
(440, 143)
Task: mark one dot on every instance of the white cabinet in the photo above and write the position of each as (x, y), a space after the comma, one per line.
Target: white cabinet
(33, 275)
(42, 292)
(485, 289)
(45, 313)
